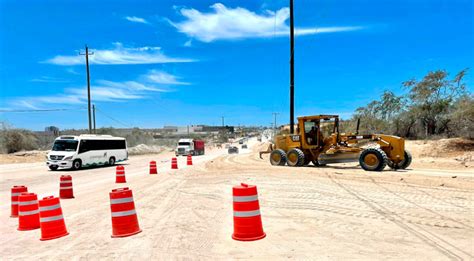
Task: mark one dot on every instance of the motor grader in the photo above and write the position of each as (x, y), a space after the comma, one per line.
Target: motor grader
(319, 141)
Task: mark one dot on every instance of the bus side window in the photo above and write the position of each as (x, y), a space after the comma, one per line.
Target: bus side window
(83, 146)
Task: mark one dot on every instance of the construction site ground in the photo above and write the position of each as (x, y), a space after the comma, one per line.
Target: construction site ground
(332, 212)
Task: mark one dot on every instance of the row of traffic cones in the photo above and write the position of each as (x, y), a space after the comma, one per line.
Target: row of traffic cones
(120, 170)
(47, 215)
(174, 164)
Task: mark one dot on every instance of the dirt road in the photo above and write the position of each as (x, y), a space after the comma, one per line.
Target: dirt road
(338, 212)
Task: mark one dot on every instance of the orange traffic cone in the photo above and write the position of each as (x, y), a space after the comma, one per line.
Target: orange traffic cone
(51, 219)
(124, 216)
(153, 169)
(120, 175)
(65, 187)
(28, 213)
(247, 219)
(174, 163)
(16, 191)
(190, 160)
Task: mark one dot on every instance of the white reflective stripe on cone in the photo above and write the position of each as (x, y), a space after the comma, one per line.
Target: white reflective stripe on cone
(121, 200)
(68, 187)
(54, 218)
(247, 213)
(245, 198)
(120, 175)
(14, 202)
(14, 194)
(50, 207)
(124, 213)
(26, 203)
(66, 181)
(27, 213)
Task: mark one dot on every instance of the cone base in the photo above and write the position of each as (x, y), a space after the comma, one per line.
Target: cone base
(13, 216)
(120, 182)
(126, 235)
(66, 197)
(28, 228)
(248, 238)
(49, 238)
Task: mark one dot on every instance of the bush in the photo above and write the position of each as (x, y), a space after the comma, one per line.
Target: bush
(14, 140)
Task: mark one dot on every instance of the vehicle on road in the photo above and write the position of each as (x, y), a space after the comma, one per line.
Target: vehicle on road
(233, 150)
(75, 152)
(190, 147)
(319, 140)
(244, 146)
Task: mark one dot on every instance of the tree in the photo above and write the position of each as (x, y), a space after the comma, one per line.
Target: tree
(432, 97)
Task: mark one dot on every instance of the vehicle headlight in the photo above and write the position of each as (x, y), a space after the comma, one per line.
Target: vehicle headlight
(68, 158)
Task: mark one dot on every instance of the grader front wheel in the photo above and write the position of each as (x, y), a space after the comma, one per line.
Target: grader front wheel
(278, 157)
(373, 159)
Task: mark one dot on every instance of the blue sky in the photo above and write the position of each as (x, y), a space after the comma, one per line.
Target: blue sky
(162, 62)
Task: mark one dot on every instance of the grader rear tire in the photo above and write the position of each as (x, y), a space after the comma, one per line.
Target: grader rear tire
(373, 159)
(403, 164)
(278, 157)
(295, 158)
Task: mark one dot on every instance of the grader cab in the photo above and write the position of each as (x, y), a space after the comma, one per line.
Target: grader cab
(318, 140)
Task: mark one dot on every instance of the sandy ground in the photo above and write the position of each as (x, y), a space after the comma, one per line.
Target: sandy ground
(335, 212)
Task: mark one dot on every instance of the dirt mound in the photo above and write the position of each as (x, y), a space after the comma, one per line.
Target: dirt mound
(146, 149)
(441, 148)
(23, 157)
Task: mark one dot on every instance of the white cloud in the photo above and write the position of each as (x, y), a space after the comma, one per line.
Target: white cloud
(161, 77)
(119, 55)
(238, 23)
(188, 43)
(136, 19)
(49, 79)
(105, 91)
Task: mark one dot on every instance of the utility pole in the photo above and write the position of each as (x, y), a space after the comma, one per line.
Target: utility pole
(275, 119)
(222, 121)
(93, 116)
(292, 70)
(88, 87)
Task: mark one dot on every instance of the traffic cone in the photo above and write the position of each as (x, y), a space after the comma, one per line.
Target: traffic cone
(153, 169)
(120, 174)
(174, 163)
(16, 191)
(65, 187)
(247, 219)
(28, 213)
(51, 219)
(124, 216)
(189, 162)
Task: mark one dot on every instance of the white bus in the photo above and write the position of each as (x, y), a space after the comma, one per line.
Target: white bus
(86, 150)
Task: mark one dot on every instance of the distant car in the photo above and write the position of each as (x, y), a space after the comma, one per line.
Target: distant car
(233, 150)
(244, 146)
(241, 141)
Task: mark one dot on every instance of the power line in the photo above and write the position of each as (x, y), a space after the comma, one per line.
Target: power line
(112, 118)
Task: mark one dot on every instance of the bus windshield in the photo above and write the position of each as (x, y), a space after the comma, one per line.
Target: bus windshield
(65, 145)
(184, 144)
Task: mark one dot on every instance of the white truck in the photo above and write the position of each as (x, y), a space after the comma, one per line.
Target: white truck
(189, 147)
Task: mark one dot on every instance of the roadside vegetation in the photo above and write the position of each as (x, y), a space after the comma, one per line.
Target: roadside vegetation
(435, 106)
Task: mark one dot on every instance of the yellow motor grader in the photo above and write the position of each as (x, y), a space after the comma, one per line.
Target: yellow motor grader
(319, 141)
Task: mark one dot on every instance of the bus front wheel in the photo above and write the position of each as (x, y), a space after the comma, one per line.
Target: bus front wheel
(76, 164)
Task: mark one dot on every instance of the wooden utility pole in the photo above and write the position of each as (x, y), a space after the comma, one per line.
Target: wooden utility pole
(88, 88)
(275, 119)
(93, 116)
(292, 70)
(222, 121)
